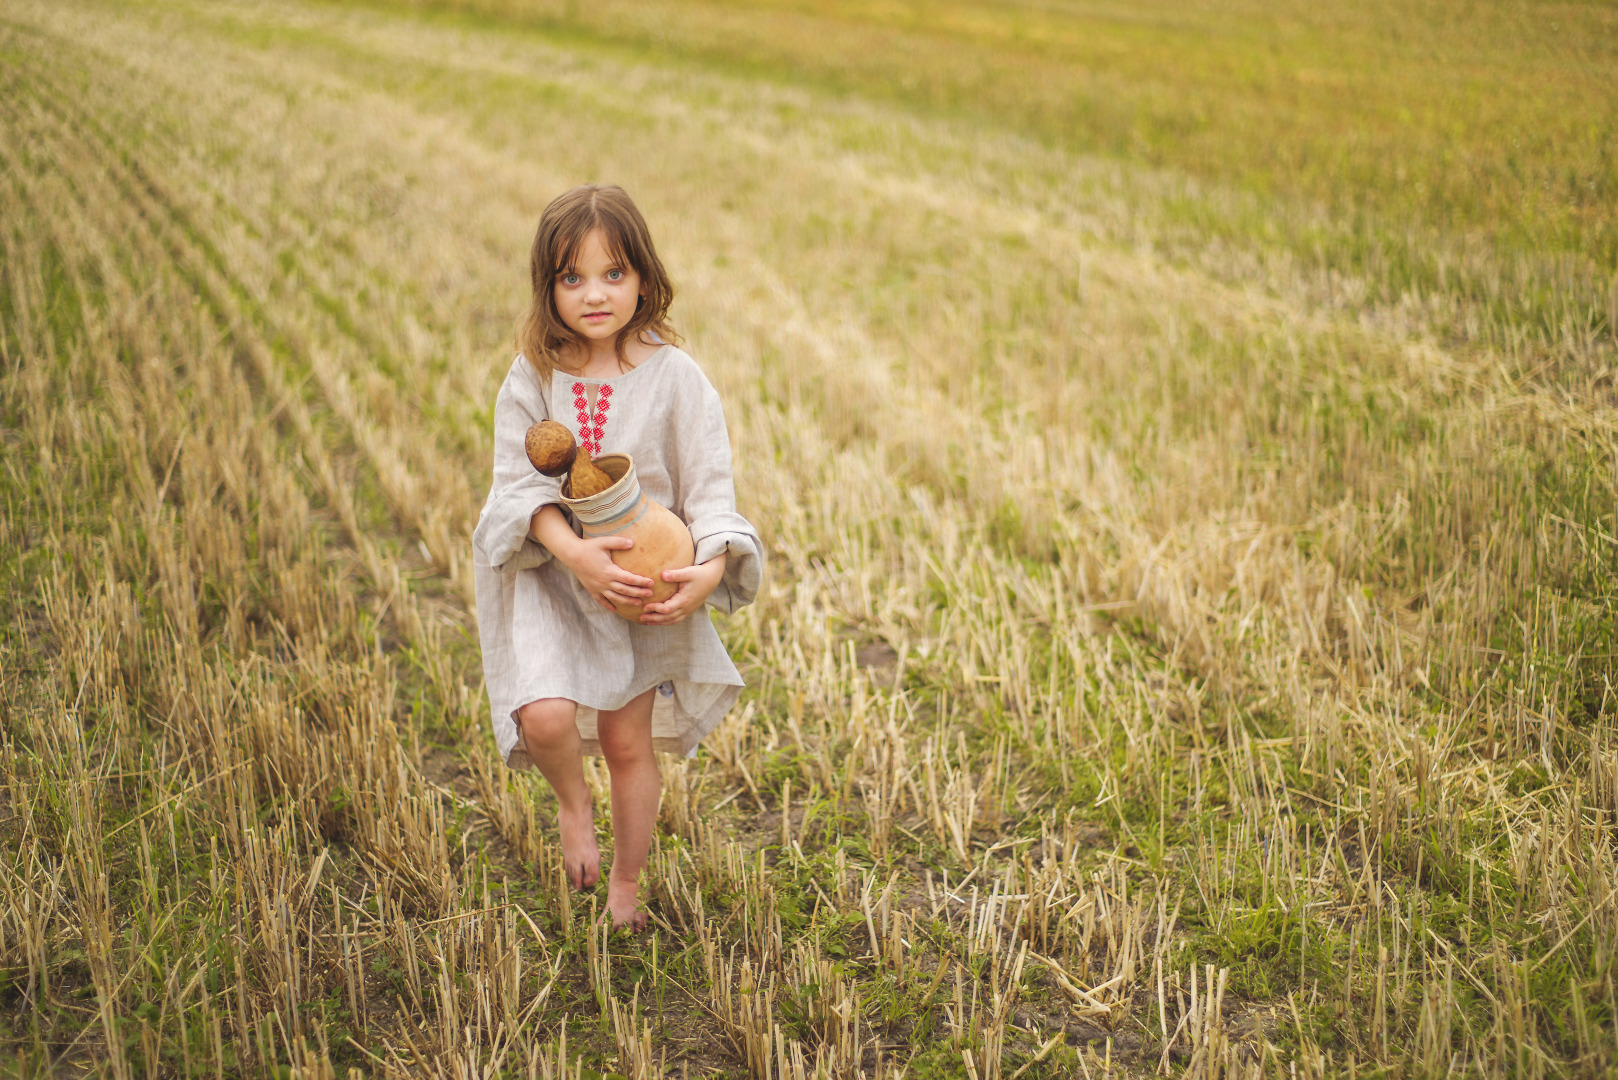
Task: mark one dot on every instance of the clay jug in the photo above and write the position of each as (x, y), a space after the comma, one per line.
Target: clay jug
(662, 541)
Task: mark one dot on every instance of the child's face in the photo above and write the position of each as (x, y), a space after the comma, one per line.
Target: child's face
(598, 295)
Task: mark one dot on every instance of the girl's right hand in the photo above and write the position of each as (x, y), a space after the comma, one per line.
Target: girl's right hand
(605, 581)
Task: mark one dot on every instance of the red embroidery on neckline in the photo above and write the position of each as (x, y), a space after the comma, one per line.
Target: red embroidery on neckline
(592, 424)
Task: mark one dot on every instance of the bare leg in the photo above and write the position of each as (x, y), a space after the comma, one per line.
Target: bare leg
(626, 743)
(551, 737)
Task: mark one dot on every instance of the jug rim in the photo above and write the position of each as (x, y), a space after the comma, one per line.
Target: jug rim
(607, 506)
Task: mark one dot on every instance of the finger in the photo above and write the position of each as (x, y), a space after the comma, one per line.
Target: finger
(685, 573)
(621, 576)
(616, 543)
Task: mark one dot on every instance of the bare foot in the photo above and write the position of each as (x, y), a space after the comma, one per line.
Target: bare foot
(581, 858)
(623, 904)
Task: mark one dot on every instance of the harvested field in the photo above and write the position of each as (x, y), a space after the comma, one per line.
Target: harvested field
(1188, 646)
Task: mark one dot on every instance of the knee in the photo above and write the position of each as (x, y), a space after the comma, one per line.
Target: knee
(546, 721)
(627, 744)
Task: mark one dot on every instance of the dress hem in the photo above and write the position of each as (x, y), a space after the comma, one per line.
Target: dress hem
(689, 729)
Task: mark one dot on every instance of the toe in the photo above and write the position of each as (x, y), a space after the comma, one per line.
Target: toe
(634, 924)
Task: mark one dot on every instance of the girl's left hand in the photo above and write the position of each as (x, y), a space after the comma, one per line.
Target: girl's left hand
(696, 583)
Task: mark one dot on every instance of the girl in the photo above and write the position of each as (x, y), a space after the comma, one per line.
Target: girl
(566, 676)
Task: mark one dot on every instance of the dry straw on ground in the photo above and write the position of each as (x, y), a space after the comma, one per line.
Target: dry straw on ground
(1171, 663)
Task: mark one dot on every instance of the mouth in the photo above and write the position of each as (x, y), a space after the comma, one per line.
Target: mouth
(598, 316)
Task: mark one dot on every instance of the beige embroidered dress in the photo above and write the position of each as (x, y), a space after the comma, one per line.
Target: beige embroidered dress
(542, 635)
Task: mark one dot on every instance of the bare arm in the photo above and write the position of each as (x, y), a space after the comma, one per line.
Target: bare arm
(590, 560)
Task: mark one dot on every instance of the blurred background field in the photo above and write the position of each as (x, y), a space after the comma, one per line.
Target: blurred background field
(1485, 125)
(1186, 445)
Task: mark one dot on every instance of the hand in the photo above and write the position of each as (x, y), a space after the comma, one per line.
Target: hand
(696, 584)
(590, 560)
(606, 582)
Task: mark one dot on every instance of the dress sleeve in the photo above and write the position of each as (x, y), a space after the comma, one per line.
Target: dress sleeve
(501, 539)
(702, 461)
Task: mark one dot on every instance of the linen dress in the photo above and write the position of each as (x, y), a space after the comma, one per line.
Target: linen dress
(542, 634)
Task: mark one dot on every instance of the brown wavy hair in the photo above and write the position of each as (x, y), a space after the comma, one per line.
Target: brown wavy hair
(541, 333)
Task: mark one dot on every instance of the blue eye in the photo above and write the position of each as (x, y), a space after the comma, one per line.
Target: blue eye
(615, 275)
(570, 279)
